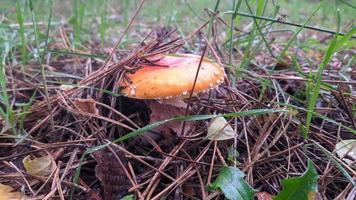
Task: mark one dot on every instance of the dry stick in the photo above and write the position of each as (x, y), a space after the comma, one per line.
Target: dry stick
(138, 186)
(211, 164)
(21, 175)
(134, 179)
(152, 189)
(50, 176)
(90, 191)
(164, 164)
(201, 182)
(304, 79)
(144, 162)
(124, 33)
(43, 180)
(69, 163)
(220, 156)
(117, 44)
(184, 176)
(53, 189)
(193, 87)
(118, 113)
(288, 23)
(184, 159)
(265, 132)
(54, 186)
(121, 164)
(59, 186)
(100, 117)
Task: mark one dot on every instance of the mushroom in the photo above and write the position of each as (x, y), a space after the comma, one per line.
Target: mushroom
(173, 76)
(170, 79)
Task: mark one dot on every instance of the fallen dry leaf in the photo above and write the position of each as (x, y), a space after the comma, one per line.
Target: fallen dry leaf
(161, 112)
(86, 105)
(176, 102)
(220, 129)
(6, 193)
(41, 166)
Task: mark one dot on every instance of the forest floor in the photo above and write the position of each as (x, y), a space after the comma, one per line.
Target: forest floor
(286, 111)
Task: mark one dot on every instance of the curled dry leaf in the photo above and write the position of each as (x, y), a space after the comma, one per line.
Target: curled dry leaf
(41, 166)
(220, 129)
(346, 149)
(86, 105)
(7, 193)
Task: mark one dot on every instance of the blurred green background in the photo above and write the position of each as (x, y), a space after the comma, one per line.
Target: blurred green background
(103, 19)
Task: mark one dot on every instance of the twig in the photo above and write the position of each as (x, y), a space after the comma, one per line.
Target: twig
(287, 23)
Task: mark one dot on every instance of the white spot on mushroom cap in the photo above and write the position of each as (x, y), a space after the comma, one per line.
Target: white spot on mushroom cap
(133, 92)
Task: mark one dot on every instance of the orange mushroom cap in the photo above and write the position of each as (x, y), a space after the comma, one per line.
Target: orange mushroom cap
(172, 76)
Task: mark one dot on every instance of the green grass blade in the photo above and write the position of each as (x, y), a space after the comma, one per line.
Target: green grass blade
(21, 31)
(332, 48)
(144, 129)
(194, 118)
(79, 10)
(103, 23)
(290, 42)
(337, 163)
(261, 5)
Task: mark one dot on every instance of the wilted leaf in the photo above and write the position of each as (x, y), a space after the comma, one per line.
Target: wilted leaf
(220, 129)
(86, 105)
(346, 149)
(161, 112)
(264, 196)
(231, 182)
(300, 188)
(6, 193)
(41, 166)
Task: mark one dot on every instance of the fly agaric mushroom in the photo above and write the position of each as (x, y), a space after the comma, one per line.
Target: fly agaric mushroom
(170, 79)
(173, 76)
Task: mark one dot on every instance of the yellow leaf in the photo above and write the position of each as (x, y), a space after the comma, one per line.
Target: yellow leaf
(41, 166)
(311, 195)
(6, 193)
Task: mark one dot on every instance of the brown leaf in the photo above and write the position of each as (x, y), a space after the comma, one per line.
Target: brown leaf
(86, 105)
(7, 193)
(161, 112)
(110, 173)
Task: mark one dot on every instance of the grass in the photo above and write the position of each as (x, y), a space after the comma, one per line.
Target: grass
(46, 38)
